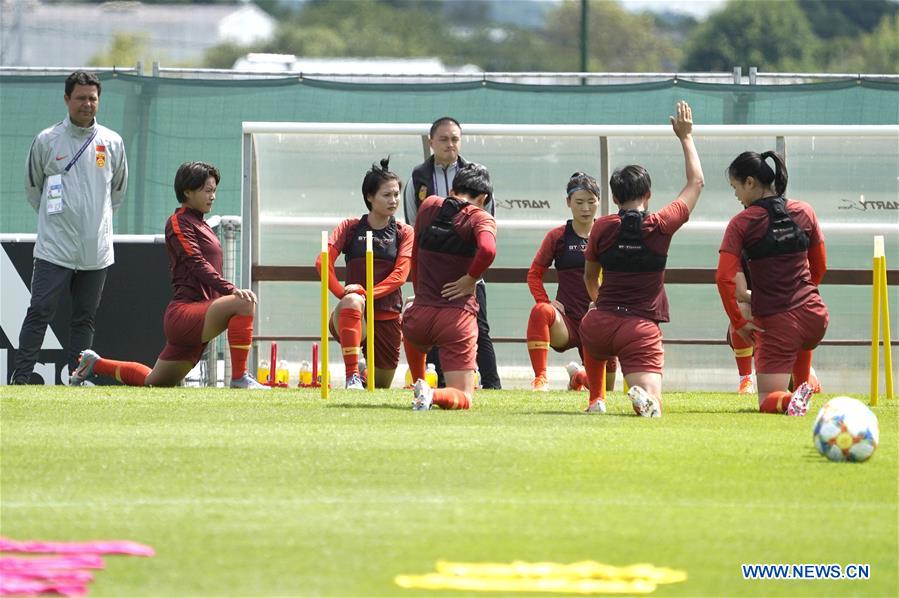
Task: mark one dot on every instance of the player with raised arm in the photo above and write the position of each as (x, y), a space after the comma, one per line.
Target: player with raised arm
(631, 249)
(392, 248)
(204, 304)
(555, 323)
(455, 243)
(784, 248)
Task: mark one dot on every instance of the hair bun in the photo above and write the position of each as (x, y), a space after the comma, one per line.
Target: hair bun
(385, 164)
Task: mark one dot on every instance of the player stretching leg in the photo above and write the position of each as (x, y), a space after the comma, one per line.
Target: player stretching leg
(455, 243)
(204, 304)
(631, 249)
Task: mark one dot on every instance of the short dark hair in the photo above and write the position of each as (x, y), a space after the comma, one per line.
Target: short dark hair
(630, 182)
(377, 176)
(443, 120)
(192, 176)
(582, 181)
(751, 164)
(82, 78)
(473, 179)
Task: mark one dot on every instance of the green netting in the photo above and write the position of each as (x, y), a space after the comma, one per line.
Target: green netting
(167, 121)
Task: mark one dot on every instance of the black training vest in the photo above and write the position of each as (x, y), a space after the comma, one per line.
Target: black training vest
(572, 251)
(385, 242)
(783, 236)
(629, 253)
(441, 237)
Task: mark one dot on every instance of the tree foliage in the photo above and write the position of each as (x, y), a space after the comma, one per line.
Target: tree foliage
(773, 35)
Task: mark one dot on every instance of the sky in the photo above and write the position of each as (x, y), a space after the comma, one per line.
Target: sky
(696, 8)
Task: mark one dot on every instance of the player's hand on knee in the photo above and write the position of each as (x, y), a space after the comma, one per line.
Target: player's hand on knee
(558, 306)
(246, 295)
(354, 288)
(749, 331)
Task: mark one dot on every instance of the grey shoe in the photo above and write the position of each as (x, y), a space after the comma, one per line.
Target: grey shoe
(248, 382)
(597, 406)
(644, 404)
(85, 368)
(423, 396)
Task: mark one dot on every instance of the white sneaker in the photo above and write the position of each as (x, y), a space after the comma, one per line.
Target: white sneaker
(248, 382)
(644, 404)
(423, 396)
(354, 382)
(85, 368)
(597, 406)
(802, 396)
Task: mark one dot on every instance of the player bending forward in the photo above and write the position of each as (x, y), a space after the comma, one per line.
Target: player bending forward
(455, 243)
(204, 304)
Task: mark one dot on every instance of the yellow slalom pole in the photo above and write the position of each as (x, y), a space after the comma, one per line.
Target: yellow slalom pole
(885, 328)
(325, 309)
(370, 311)
(875, 314)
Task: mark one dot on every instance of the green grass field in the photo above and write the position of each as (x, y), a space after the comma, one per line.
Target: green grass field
(284, 494)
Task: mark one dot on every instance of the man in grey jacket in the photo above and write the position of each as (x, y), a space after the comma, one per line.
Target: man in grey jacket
(75, 177)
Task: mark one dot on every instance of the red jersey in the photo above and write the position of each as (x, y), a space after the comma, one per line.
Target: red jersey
(564, 248)
(392, 249)
(195, 258)
(780, 283)
(435, 269)
(640, 294)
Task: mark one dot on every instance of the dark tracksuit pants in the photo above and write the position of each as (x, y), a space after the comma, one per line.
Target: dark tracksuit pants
(48, 281)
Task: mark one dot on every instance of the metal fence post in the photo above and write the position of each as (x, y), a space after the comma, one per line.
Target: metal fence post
(230, 231)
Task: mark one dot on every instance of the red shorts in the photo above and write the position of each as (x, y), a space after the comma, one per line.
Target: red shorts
(787, 333)
(183, 327)
(574, 336)
(453, 330)
(636, 341)
(388, 338)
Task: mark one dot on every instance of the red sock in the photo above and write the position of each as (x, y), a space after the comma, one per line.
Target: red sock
(742, 353)
(450, 398)
(801, 368)
(543, 315)
(349, 328)
(126, 372)
(240, 337)
(596, 376)
(416, 360)
(775, 402)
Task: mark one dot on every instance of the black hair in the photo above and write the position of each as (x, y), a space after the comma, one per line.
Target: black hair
(629, 183)
(82, 78)
(192, 176)
(473, 179)
(581, 181)
(751, 164)
(375, 177)
(440, 122)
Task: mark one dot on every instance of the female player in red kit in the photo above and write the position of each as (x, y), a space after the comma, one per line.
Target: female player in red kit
(784, 248)
(392, 248)
(204, 304)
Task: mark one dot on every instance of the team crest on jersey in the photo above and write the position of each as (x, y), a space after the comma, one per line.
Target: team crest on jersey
(100, 151)
(422, 193)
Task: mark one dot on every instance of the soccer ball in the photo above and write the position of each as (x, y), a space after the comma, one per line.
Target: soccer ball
(845, 430)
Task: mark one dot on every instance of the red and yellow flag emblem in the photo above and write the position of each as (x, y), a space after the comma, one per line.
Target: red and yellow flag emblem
(100, 151)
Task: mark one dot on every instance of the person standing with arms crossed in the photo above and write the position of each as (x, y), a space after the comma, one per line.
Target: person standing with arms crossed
(455, 243)
(75, 178)
(631, 249)
(435, 176)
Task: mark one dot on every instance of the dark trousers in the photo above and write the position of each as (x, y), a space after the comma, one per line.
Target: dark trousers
(486, 354)
(48, 281)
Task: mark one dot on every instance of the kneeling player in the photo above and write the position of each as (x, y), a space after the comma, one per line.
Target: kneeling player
(555, 323)
(455, 243)
(631, 248)
(392, 248)
(204, 304)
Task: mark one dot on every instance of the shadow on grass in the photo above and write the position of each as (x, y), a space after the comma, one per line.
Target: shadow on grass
(578, 413)
(395, 407)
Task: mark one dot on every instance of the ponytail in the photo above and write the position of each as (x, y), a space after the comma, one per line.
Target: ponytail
(751, 164)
